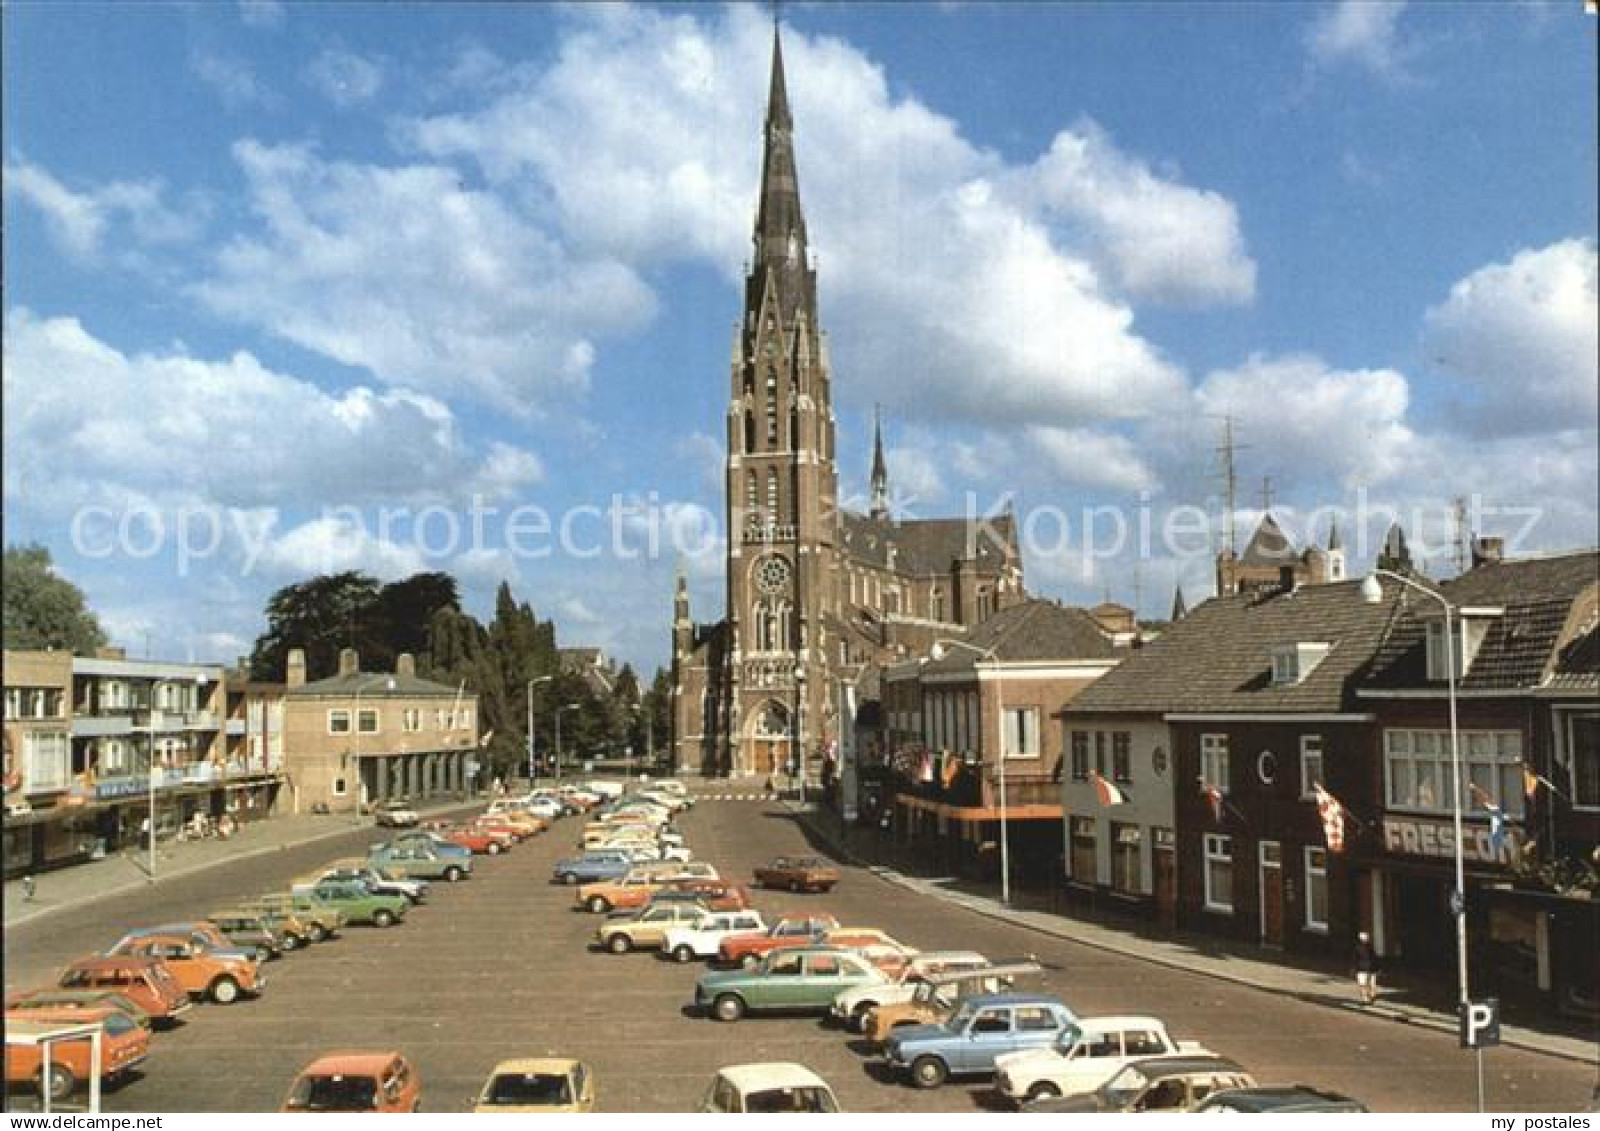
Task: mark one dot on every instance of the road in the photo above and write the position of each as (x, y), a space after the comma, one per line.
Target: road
(497, 967)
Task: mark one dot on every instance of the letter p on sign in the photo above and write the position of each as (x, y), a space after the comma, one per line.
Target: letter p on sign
(1480, 1024)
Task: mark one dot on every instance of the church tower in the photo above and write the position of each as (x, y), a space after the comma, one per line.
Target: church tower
(782, 485)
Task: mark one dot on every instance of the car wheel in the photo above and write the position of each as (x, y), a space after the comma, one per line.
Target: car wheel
(749, 961)
(60, 1084)
(383, 917)
(928, 1071)
(224, 991)
(599, 903)
(1043, 1090)
(319, 933)
(683, 953)
(728, 1007)
(263, 954)
(452, 874)
(569, 879)
(291, 942)
(619, 943)
(858, 1018)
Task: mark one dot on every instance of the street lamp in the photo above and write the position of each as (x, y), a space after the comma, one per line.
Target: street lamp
(939, 648)
(1372, 594)
(533, 772)
(559, 710)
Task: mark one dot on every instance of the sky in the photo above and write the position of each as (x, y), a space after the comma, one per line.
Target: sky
(292, 288)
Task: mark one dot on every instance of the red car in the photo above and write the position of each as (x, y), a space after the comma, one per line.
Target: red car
(716, 895)
(494, 826)
(482, 842)
(791, 930)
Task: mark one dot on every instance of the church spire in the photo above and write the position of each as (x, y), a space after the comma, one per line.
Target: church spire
(880, 470)
(780, 235)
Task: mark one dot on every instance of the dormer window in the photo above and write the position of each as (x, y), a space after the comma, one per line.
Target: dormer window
(1291, 663)
(1469, 634)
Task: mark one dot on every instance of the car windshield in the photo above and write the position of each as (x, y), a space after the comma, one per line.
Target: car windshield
(118, 1023)
(1125, 1086)
(962, 1016)
(519, 1089)
(783, 1101)
(335, 1093)
(1069, 1037)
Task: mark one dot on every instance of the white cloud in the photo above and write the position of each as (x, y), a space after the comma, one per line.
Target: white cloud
(407, 273)
(1363, 33)
(232, 79)
(82, 221)
(261, 13)
(1085, 458)
(82, 423)
(345, 78)
(333, 544)
(1523, 338)
(704, 453)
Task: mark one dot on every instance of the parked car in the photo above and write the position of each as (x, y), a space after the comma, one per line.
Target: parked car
(355, 1082)
(805, 978)
(222, 976)
(798, 873)
(1291, 1099)
(361, 871)
(700, 939)
(791, 930)
(768, 1089)
(1154, 1084)
(505, 824)
(418, 860)
(605, 790)
(202, 932)
(123, 1046)
(1084, 1056)
(982, 1029)
(851, 1007)
(395, 813)
(544, 1086)
(884, 951)
(603, 864)
(357, 902)
(25, 1001)
(716, 895)
(937, 998)
(147, 981)
(295, 932)
(633, 889)
(321, 921)
(646, 929)
(429, 838)
(480, 842)
(519, 817)
(249, 930)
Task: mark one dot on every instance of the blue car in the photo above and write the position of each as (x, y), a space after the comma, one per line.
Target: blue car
(601, 864)
(981, 1029)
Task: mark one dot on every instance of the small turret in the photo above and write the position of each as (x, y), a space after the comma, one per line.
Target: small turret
(880, 471)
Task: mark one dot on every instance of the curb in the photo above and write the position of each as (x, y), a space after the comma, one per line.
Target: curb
(977, 906)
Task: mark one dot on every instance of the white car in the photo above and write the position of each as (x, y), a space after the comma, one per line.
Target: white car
(609, 790)
(685, 944)
(852, 1006)
(1086, 1054)
(769, 1089)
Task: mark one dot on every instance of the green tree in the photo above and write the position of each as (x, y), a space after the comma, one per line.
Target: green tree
(44, 609)
(403, 611)
(321, 615)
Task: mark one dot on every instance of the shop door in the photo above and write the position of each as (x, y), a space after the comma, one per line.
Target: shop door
(1271, 893)
(1165, 883)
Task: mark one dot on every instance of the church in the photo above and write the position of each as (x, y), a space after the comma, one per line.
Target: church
(816, 594)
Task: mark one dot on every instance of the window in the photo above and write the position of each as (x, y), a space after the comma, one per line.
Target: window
(1100, 752)
(992, 1021)
(47, 760)
(339, 722)
(1035, 1018)
(1084, 868)
(1121, 756)
(367, 723)
(1310, 765)
(772, 493)
(1219, 873)
(936, 605)
(1143, 1042)
(338, 787)
(1080, 755)
(823, 966)
(1316, 889)
(1125, 867)
(752, 491)
(1583, 746)
(411, 720)
(1466, 648)
(1022, 732)
(749, 432)
(1214, 760)
(785, 964)
(1416, 766)
(1285, 665)
(772, 424)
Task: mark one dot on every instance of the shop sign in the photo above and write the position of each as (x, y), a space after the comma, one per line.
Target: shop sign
(1415, 836)
(119, 787)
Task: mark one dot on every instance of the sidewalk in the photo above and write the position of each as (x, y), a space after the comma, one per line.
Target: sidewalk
(122, 872)
(1197, 954)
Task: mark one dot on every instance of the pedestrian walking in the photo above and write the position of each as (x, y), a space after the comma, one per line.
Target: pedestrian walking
(1366, 964)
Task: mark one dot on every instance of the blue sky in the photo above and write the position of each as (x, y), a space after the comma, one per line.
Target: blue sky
(274, 269)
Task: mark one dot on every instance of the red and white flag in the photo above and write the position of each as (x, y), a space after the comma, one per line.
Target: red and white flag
(1214, 796)
(1332, 812)
(1107, 792)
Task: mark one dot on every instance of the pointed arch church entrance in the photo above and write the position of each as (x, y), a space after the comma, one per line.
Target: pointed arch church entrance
(770, 739)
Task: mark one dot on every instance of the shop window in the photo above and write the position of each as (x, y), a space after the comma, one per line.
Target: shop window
(1417, 772)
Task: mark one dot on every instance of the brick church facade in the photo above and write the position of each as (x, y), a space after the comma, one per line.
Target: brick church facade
(815, 593)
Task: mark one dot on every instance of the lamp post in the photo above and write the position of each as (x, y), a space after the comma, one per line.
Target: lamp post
(1372, 594)
(1000, 764)
(559, 711)
(533, 772)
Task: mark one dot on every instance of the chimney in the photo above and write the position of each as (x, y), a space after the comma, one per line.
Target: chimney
(1487, 550)
(405, 664)
(349, 662)
(295, 670)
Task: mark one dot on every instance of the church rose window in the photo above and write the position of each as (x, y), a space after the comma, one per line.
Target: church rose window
(772, 575)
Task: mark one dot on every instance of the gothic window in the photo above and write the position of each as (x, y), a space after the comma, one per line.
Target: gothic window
(749, 384)
(772, 424)
(749, 431)
(772, 381)
(752, 492)
(772, 490)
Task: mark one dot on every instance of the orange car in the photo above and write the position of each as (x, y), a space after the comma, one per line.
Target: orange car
(355, 1082)
(792, 930)
(202, 972)
(123, 1045)
(716, 895)
(147, 981)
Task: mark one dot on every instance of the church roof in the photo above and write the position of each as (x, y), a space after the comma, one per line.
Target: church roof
(927, 545)
(1029, 632)
(1269, 545)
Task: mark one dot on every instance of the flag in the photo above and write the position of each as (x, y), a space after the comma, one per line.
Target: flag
(952, 770)
(1107, 792)
(1332, 812)
(1214, 796)
(1532, 780)
(484, 741)
(925, 768)
(1497, 815)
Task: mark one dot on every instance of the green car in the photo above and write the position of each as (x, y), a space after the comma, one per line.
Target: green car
(416, 860)
(359, 903)
(798, 979)
(322, 921)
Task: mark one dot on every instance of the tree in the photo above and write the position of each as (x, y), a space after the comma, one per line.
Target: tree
(321, 616)
(656, 709)
(44, 609)
(403, 611)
